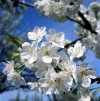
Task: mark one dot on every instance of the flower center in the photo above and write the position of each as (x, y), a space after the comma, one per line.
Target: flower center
(47, 52)
(30, 51)
(45, 69)
(83, 73)
(55, 40)
(58, 80)
(68, 72)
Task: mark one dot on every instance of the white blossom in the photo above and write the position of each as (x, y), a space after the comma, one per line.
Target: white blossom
(68, 69)
(48, 52)
(54, 83)
(56, 39)
(15, 78)
(60, 83)
(37, 33)
(29, 51)
(58, 10)
(84, 94)
(84, 74)
(76, 51)
(47, 83)
(57, 73)
(42, 68)
(9, 67)
(35, 86)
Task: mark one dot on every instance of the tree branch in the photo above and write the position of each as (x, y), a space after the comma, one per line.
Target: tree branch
(23, 3)
(67, 45)
(87, 23)
(96, 80)
(77, 21)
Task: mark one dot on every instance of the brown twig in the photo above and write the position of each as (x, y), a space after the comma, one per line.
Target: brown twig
(96, 80)
(87, 24)
(67, 45)
(77, 21)
(23, 3)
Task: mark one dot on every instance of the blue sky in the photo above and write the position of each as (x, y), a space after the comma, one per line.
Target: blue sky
(33, 18)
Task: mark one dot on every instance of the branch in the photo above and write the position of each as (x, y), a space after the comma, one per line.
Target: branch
(96, 80)
(67, 45)
(87, 23)
(77, 21)
(23, 3)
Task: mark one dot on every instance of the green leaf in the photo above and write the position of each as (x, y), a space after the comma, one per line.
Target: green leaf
(15, 55)
(15, 51)
(15, 40)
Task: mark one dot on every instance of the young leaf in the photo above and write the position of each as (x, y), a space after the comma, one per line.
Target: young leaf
(15, 55)
(15, 40)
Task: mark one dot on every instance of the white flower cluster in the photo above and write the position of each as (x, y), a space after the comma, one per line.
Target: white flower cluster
(92, 14)
(57, 73)
(12, 75)
(58, 9)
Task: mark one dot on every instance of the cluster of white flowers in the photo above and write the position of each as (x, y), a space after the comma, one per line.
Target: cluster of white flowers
(58, 9)
(57, 73)
(12, 75)
(92, 14)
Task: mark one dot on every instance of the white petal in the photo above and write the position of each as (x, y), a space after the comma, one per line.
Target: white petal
(48, 37)
(31, 36)
(91, 74)
(26, 44)
(34, 44)
(61, 36)
(7, 70)
(25, 55)
(32, 59)
(47, 59)
(14, 78)
(85, 65)
(52, 32)
(39, 73)
(86, 81)
(72, 57)
(78, 44)
(22, 81)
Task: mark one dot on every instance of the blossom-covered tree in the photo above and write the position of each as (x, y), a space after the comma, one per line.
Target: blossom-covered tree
(53, 61)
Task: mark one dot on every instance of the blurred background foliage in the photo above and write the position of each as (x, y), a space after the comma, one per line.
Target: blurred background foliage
(10, 23)
(11, 14)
